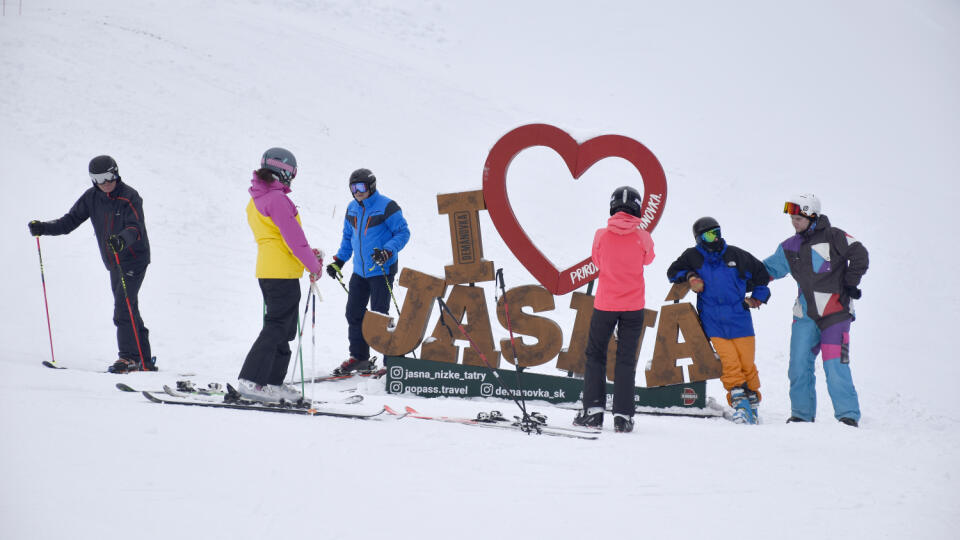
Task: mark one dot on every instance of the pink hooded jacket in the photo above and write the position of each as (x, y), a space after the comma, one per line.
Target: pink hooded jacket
(620, 251)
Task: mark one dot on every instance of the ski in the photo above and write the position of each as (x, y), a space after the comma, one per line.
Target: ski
(183, 387)
(263, 407)
(214, 396)
(499, 422)
(327, 378)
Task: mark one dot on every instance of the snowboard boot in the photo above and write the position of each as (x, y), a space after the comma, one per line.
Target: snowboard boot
(849, 422)
(742, 413)
(351, 365)
(592, 418)
(754, 398)
(622, 423)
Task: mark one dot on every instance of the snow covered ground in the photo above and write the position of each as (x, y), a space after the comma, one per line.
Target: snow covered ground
(743, 104)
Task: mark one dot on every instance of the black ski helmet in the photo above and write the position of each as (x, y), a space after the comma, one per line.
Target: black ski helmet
(625, 199)
(703, 225)
(364, 176)
(104, 169)
(281, 163)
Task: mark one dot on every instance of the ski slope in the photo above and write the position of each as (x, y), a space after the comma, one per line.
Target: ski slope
(743, 105)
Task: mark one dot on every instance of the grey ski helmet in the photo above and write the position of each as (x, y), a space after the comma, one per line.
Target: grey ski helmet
(103, 169)
(626, 199)
(281, 163)
(364, 176)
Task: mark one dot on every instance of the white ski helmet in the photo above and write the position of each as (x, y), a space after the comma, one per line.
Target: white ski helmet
(804, 204)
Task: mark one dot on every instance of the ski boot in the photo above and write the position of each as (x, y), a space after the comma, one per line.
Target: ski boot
(592, 418)
(622, 423)
(351, 365)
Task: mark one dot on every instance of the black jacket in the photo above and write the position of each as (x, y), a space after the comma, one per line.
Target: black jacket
(119, 212)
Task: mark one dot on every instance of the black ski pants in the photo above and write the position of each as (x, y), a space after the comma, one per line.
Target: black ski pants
(629, 325)
(374, 290)
(269, 357)
(126, 338)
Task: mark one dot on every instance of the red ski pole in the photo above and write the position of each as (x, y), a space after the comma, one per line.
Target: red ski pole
(46, 306)
(133, 323)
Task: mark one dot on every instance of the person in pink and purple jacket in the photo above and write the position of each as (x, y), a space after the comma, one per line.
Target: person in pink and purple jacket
(620, 251)
(282, 254)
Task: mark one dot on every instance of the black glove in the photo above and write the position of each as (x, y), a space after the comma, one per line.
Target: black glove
(381, 256)
(37, 228)
(116, 243)
(852, 292)
(333, 269)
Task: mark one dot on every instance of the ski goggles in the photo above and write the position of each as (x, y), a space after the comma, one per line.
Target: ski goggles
(793, 209)
(359, 187)
(103, 178)
(711, 235)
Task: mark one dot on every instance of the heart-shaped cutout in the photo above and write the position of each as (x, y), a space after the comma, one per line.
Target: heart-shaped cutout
(579, 158)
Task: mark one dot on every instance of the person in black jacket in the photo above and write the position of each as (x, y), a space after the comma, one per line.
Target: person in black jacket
(116, 212)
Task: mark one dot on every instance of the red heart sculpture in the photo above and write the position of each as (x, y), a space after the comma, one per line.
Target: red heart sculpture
(579, 158)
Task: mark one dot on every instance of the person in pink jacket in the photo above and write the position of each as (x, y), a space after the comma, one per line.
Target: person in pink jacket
(282, 255)
(620, 251)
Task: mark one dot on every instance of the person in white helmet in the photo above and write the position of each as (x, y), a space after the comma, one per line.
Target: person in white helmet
(827, 264)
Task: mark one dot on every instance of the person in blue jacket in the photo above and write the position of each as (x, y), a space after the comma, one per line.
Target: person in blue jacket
(722, 275)
(374, 232)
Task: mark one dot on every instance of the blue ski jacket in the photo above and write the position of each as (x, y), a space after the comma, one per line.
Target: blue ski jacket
(728, 275)
(376, 222)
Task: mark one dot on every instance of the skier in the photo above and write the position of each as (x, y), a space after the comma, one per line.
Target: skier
(827, 264)
(721, 275)
(116, 212)
(620, 251)
(282, 254)
(375, 231)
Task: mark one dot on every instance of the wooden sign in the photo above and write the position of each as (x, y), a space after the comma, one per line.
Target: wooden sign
(422, 293)
(463, 210)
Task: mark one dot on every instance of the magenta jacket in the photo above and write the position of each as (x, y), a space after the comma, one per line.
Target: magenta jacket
(271, 201)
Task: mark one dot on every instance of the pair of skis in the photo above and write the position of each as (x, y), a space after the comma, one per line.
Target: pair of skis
(495, 420)
(487, 420)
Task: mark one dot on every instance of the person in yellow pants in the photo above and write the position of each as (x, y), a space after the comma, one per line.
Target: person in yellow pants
(722, 275)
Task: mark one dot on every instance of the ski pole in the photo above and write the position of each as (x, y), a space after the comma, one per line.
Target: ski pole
(527, 422)
(46, 306)
(513, 346)
(394, 298)
(300, 337)
(313, 336)
(133, 322)
(339, 277)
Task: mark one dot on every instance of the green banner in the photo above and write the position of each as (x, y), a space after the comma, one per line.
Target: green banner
(425, 378)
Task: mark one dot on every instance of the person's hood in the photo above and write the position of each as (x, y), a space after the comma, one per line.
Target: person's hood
(259, 188)
(623, 223)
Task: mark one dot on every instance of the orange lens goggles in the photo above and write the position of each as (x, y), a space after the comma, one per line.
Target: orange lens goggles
(793, 209)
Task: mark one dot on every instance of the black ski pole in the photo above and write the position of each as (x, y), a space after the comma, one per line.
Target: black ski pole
(513, 346)
(527, 424)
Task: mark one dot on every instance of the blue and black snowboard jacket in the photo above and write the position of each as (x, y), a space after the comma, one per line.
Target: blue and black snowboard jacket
(375, 222)
(728, 275)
